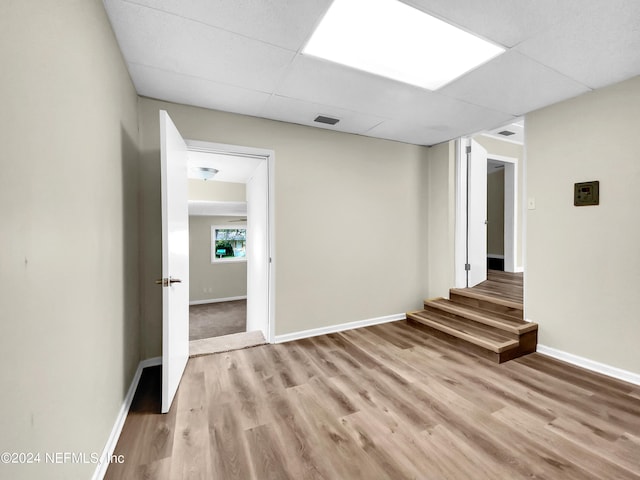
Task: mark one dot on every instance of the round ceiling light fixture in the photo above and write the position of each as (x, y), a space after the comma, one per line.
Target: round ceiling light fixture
(205, 173)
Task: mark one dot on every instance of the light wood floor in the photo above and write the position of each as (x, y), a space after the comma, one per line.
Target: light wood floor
(383, 402)
(503, 285)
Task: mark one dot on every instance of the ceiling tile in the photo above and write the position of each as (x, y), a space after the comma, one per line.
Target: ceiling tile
(608, 54)
(507, 22)
(439, 124)
(514, 84)
(411, 132)
(328, 83)
(441, 112)
(195, 49)
(177, 88)
(304, 113)
(286, 23)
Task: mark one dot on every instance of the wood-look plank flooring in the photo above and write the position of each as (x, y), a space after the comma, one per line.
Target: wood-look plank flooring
(502, 285)
(383, 402)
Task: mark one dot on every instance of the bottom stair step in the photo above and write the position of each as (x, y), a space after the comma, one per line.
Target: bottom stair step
(486, 338)
(502, 321)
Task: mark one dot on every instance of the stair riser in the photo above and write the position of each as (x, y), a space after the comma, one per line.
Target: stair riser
(429, 308)
(459, 343)
(481, 336)
(486, 305)
(528, 342)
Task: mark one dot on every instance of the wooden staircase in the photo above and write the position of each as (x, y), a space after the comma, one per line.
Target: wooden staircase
(486, 320)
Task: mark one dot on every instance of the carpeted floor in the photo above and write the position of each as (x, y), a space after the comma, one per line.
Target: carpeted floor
(217, 319)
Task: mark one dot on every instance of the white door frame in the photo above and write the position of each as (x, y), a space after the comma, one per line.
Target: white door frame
(511, 195)
(269, 156)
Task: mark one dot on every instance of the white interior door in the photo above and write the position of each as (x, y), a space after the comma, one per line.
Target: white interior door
(477, 215)
(258, 250)
(175, 259)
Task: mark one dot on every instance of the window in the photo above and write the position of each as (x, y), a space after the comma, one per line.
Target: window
(228, 244)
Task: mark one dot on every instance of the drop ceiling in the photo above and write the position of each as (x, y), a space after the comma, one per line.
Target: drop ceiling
(244, 56)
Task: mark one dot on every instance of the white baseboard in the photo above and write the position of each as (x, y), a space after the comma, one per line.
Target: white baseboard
(314, 332)
(592, 365)
(217, 300)
(101, 468)
(515, 270)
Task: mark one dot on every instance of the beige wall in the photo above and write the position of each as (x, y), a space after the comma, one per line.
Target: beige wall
(209, 280)
(331, 189)
(495, 213)
(214, 191)
(508, 149)
(440, 225)
(69, 298)
(583, 263)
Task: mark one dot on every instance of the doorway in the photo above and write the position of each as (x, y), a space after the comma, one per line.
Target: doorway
(502, 201)
(174, 163)
(475, 236)
(217, 266)
(495, 215)
(230, 294)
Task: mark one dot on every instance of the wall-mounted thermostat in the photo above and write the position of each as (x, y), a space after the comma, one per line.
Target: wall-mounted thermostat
(586, 193)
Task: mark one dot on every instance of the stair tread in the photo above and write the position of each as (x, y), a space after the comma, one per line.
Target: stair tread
(468, 292)
(474, 328)
(478, 334)
(500, 290)
(495, 319)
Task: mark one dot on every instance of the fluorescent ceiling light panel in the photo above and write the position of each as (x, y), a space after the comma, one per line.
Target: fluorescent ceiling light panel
(394, 40)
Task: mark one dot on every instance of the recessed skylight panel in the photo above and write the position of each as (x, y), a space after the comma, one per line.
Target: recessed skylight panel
(394, 40)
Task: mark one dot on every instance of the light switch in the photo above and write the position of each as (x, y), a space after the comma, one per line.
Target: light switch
(531, 203)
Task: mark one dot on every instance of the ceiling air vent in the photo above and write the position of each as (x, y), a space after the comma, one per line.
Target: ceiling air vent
(506, 133)
(327, 120)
